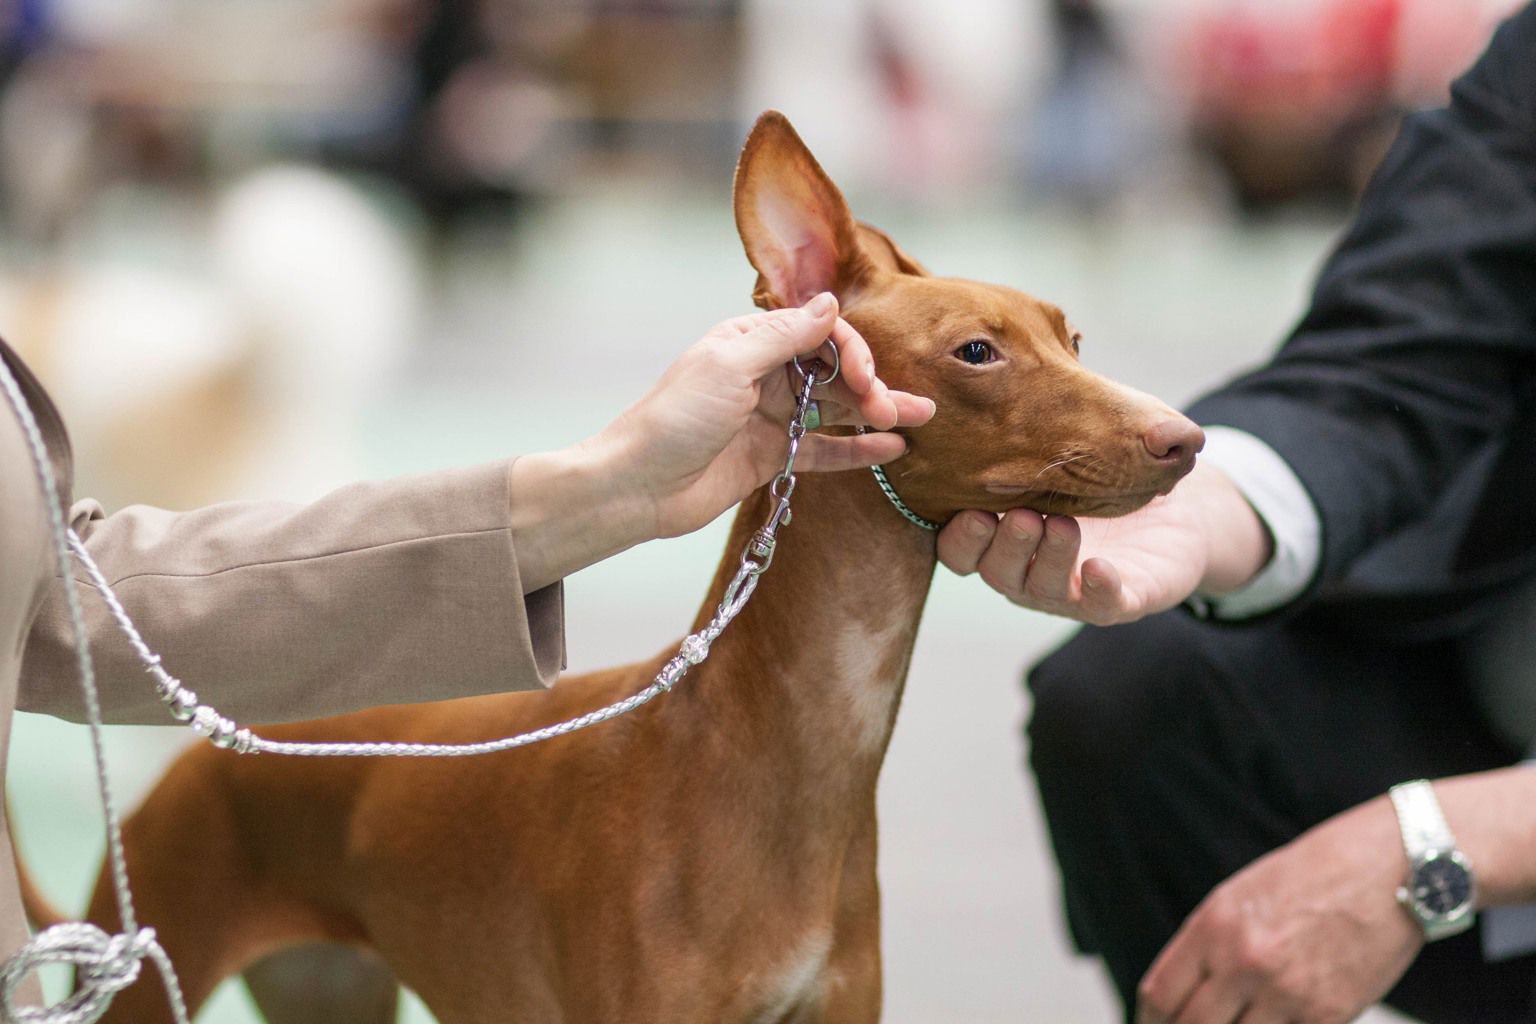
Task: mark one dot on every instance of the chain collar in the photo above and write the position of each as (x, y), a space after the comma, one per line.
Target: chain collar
(895, 499)
(901, 506)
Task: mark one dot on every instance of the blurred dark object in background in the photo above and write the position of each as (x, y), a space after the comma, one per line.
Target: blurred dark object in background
(1299, 101)
(467, 109)
(23, 28)
(507, 99)
(661, 84)
(1092, 131)
(466, 106)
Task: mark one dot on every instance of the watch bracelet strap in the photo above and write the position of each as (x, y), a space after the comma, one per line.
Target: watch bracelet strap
(1424, 831)
(1420, 819)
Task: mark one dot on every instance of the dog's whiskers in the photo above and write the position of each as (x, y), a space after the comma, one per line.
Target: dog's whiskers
(1065, 458)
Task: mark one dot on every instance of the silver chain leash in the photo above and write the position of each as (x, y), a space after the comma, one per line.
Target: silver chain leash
(106, 964)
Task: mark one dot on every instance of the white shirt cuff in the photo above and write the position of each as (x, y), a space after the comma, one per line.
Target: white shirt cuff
(1277, 495)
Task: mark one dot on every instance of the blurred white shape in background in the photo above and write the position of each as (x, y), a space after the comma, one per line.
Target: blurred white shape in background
(240, 374)
(104, 21)
(330, 294)
(902, 95)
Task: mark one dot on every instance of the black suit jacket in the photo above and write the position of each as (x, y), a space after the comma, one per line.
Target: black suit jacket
(1405, 399)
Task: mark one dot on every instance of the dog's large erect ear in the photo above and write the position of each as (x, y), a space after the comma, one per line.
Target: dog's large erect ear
(793, 221)
(884, 252)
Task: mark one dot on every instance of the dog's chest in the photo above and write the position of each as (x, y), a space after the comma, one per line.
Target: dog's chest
(795, 981)
(861, 679)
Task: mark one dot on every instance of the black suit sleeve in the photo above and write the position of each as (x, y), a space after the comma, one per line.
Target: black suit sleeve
(1418, 348)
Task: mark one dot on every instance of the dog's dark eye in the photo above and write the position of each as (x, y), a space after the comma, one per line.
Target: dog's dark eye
(975, 352)
(1077, 343)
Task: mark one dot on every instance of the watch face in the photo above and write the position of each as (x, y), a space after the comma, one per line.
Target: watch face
(1441, 885)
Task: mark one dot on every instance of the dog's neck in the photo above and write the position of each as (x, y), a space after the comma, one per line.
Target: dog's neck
(808, 677)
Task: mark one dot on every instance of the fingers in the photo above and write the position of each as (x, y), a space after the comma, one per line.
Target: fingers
(771, 339)
(1170, 982)
(820, 453)
(1033, 561)
(999, 549)
(1002, 550)
(856, 364)
(762, 341)
(1102, 595)
(912, 410)
(1053, 577)
(1056, 583)
(879, 407)
(964, 540)
(1005, 564)
(1214, 1002)
(1266, 1013)
(1099, 576)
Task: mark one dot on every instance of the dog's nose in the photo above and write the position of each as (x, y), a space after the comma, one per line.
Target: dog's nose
(1174, 443)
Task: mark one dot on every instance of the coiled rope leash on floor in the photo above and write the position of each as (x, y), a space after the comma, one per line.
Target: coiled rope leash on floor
(106, 964)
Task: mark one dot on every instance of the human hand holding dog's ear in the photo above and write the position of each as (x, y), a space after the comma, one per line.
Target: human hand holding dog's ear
(711, 431)
(1203, 536)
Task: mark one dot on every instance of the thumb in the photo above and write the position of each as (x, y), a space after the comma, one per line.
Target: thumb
(786, 333)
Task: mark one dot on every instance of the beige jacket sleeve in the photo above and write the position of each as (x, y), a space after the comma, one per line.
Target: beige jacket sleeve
(380, 593)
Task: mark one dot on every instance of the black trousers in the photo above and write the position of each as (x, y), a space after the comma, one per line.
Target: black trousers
(1172, 752)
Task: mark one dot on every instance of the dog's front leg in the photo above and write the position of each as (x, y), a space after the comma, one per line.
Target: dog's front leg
(852, 992)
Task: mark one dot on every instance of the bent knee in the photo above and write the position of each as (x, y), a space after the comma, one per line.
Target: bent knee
(1110, 694)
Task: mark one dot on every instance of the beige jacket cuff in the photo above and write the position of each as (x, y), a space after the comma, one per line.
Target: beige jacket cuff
(386, 592)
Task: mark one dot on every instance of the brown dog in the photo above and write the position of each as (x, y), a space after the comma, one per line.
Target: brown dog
(710, 857)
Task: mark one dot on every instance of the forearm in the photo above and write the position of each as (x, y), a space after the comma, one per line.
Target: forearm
(380, 592)
(1238, 544)
(1493, 815)
(572, 508)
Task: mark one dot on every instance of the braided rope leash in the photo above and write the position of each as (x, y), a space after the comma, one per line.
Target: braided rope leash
(205, 720)
(106, 964)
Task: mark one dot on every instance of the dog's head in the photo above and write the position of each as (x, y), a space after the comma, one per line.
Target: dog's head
(1020, 421)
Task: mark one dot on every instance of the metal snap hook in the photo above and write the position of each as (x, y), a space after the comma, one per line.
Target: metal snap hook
(837, 365)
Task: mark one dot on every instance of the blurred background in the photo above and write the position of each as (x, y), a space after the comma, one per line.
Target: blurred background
(257, 248)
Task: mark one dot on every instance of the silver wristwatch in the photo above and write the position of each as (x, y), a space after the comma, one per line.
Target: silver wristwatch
(1439, 892)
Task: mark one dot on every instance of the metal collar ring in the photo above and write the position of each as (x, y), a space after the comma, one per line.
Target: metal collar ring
(809, 374)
